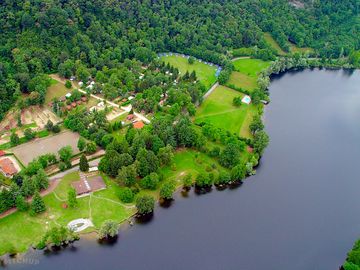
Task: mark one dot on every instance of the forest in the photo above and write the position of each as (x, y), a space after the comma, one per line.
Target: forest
(83, 37)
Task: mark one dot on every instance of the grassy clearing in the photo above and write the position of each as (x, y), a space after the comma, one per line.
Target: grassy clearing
(269, 39)
(295, 49)
(218, 110)
(250, 67)
(56, 90)
(205, 73)
(243, 81)
(187, 161)
(19, 230)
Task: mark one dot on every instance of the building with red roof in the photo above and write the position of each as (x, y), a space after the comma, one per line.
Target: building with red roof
(2, 153)
(7, 167)
(138, 125)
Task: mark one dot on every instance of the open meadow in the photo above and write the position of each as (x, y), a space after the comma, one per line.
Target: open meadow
(205, 73)
(218, 109)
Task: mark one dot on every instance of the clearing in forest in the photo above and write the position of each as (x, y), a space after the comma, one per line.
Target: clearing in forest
(218, 110)
(246, 73)
(205, 73)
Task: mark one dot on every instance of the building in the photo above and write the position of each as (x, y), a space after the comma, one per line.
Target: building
(138, 125)
(7, 167)
(87, 185)
(246, 99)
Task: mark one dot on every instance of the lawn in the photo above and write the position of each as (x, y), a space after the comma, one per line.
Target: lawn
(250, 67)
(187, 161)
(56, 90)
(218, 110)
(19, 230)
(243, 81)
(205, 73)
(274, 44)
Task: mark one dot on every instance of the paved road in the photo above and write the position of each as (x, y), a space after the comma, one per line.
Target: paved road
(92, 163)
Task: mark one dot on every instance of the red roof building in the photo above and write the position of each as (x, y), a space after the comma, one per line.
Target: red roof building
(138, 125)
(2, 153)
(7, 167)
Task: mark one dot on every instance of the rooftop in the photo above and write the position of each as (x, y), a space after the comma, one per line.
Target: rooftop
(138, 125)
(8, 167)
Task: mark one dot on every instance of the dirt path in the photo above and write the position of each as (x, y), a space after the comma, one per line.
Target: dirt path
(218, 113)
(211, 90)
(241, 57)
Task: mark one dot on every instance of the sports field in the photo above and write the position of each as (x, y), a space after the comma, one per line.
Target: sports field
(28, 151)
(218, 109)
(205, 73)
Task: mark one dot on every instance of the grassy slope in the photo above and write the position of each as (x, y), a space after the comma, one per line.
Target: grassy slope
(56, 90)
(218, 110)
(280, 51)
(274, 44)
(205, 73)
(245, 76)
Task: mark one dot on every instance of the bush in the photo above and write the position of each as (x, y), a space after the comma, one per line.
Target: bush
(150, 181)
(203, 180)
(108, 229)
(68, 84)
(145, 204)
(126, 195)
(167, 190)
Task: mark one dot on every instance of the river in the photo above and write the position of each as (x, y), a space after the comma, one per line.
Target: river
(300, 212)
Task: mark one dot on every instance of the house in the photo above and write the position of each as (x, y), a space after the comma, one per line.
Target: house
(2, 153)
(83, 99)
(7, 167)
(73, 104)
(68, 95)
(138, 125)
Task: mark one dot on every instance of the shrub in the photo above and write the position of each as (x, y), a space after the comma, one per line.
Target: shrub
(145, 204)
(126, 195)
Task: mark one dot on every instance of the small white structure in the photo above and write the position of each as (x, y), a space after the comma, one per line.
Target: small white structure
(93, 169)
(80, 224)
(68, 95)
(81, 84)
(131, 98)
(246, 99)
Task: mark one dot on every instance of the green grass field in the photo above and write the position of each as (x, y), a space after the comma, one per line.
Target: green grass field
(243, 81)
(250, 67)
(56, 90)
(246, 73)
(205, 73)
(218, 110)
(187, 161)
(19, 230)
(269, 39)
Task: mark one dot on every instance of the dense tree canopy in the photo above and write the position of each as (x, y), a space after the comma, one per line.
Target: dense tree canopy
(83, 37)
